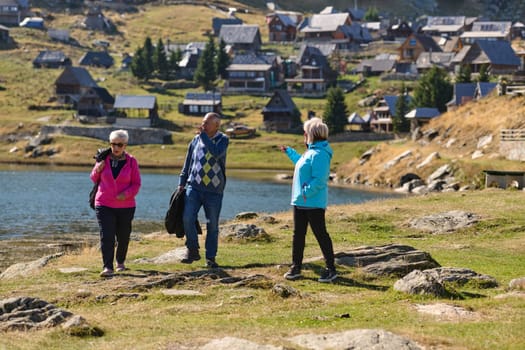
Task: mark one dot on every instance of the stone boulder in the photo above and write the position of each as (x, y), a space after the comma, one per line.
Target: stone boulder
(390, 259)
(242, 231)
(25, 313)
(444, 222)
(419, 283)
(355, 339)
(433, 281)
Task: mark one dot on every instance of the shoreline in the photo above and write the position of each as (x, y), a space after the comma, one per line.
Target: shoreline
(264, 176)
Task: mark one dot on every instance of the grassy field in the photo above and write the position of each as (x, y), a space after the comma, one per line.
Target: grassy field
(145, 318)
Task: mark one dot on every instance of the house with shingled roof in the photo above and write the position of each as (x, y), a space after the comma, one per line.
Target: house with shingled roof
(241, 37)
(281, 113)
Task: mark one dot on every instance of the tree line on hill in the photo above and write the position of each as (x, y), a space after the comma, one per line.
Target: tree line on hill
(153, 62)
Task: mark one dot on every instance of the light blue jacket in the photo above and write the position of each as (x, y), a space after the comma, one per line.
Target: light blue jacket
(310, 178)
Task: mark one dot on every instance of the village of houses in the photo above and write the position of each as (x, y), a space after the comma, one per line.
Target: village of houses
(446, 41)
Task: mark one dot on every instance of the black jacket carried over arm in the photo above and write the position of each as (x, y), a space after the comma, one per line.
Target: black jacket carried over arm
(173, 219)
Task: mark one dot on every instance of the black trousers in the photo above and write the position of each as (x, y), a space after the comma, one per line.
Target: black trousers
(115, 227)
(316, 219)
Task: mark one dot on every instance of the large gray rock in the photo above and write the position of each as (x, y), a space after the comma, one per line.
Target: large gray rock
(419, 283)
(444, 222)
(26, 268)
(433, 281)
(462, 276)
(24, 313)
(242, 231)
(356, 339)
(390, 259)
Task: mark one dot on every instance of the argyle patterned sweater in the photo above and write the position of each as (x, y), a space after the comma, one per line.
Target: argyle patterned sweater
(205, 165)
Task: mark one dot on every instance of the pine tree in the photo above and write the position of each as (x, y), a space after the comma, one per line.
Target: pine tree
(335, 112)
(137, 64)
(433, 90)
(206, 74)
(173, 63)
(147, 56)
(223, 60)
(160, 61)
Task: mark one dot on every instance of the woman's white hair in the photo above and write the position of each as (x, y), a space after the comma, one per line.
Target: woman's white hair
(119, 134)
(315, 130)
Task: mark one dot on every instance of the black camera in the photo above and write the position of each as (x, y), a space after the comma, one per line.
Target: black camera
(102, 154)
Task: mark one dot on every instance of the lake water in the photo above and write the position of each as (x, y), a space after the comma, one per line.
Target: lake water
(40, 202)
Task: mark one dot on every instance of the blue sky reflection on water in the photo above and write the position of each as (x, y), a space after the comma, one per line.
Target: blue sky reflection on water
(48, 202)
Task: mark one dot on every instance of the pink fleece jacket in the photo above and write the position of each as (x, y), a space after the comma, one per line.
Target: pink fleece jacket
(127, 182)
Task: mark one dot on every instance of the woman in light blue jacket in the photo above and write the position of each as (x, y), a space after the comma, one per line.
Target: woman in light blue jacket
(310, 197)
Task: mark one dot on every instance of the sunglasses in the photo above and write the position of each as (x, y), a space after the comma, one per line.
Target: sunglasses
(120, 144)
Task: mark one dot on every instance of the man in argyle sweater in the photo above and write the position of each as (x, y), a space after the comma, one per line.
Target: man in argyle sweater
(204, 177)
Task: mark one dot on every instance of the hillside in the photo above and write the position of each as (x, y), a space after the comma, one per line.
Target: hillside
(466, 124)
(410, 9)
(459, 132)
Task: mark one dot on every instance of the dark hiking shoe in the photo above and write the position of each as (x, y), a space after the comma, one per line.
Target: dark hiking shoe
(328, 275)
(211, 263)
(191, 256)
(293, 274)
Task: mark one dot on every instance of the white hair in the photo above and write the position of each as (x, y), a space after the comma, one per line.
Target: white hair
(119, 134)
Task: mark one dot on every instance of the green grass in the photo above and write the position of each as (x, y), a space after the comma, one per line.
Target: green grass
(495, 246)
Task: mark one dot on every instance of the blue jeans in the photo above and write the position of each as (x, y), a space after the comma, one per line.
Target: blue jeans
(212, 204)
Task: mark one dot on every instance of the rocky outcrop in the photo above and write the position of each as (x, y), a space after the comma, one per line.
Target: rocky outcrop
(444, 222)
(25, 313)
(434, 282)
(391, 259)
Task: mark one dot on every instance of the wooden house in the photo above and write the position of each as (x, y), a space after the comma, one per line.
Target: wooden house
(282, 26)
(95, 101)
(96, 59)
(336, 28)
(421, 116)
(72, 83)
(384, 112)
(95, 20)
(315, 74)
(498, 55)
(217, 23)
(136, 111)
(281, 113)
(253, 73)
(399, 31)
(358, 123)
(449, 43)
(465, 92)
(195, 103)
(416, 44)
(375, 66)
(427, 60)
(241, 37)
(12, 12)
(447, 25)
(484, 30)
(51, 59)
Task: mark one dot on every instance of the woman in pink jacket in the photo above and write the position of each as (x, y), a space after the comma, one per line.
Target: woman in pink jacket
(119, 182)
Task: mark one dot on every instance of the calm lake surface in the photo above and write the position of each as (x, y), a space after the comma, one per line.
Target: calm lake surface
(39, 202)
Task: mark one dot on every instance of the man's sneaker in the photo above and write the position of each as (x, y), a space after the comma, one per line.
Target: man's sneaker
(211, 263)
(120, 267)
(106, 272)
(191, 256)
(293, 274)
(328, 275)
